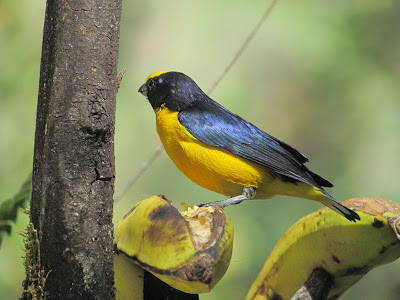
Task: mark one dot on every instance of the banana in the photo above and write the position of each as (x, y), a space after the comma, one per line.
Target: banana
(190, 251)
(325, 240)
(129, 278)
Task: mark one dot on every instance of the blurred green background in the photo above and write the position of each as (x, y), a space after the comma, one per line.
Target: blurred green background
(321, 75)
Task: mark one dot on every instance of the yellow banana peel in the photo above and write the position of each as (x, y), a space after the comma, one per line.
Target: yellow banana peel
(324, 239)
(129, 278)
(190, 251)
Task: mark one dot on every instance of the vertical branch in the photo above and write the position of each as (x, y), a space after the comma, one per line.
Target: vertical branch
(73, 167)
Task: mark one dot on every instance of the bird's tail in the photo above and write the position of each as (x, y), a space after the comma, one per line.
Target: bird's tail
(319, 180)
(335, 205)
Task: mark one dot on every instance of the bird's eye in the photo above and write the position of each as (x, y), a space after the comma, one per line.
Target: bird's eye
(150, 84)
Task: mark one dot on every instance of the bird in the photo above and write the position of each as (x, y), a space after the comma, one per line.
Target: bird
(220, 151)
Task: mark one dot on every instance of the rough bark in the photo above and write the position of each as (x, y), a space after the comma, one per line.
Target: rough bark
(73, 168)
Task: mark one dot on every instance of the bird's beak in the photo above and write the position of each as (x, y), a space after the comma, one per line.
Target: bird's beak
(143, 90)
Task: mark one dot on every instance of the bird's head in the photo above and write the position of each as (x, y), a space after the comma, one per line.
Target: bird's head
(174, 90)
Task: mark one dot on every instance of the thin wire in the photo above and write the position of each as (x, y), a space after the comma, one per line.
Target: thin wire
(138, 173)
(237, 55)
(243, 46)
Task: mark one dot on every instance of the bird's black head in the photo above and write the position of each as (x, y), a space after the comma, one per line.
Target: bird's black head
(174, 90)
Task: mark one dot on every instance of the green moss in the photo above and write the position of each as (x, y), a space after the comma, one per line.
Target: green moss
(34, 284)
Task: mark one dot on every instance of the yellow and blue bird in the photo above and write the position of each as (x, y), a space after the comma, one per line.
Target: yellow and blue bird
(224, 153)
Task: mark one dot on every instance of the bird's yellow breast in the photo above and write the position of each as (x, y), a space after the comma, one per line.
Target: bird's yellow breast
(208, 166)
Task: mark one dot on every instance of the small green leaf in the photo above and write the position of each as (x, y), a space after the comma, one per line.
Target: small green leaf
(9, 208)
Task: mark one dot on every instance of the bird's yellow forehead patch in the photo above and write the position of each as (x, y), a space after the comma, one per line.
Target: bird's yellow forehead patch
(156, 74)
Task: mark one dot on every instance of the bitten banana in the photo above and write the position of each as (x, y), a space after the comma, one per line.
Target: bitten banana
(190, 251)
(346, 250)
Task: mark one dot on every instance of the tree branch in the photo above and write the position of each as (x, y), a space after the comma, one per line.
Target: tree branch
(316, 287)
(73, 168)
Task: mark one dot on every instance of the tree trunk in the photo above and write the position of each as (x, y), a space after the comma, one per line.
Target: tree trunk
(73, 167)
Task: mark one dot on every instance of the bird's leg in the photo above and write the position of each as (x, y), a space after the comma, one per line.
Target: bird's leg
(248, 193)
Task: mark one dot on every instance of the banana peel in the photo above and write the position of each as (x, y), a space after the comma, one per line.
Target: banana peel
(326, 240)
(129, 278)
(190, 251)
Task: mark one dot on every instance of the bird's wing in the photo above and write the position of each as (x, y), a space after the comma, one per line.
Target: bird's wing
(213, 124)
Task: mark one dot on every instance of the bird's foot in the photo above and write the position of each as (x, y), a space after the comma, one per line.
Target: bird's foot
(248, 193)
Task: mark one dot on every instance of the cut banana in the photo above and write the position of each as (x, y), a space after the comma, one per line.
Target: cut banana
(325, 240)
(190, 251)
